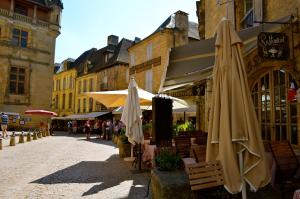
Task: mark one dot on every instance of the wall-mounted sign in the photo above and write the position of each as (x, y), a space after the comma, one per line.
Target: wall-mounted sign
(273, 45)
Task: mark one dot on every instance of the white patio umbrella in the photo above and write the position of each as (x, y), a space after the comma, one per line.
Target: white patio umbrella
(131, 117)
(233, 133)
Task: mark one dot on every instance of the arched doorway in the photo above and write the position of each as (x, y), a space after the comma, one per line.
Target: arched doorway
(277, 115)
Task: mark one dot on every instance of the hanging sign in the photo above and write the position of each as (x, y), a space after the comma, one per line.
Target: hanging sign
(273, 45)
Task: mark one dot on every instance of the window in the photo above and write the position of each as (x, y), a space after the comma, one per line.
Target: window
(57, 85)
(148, 80)
(56, 101)
(84, 85)
(127, 75)
(70, 100)
(71, 82)
(20, 9)
(63, 101)
(91, 85)
(84, 105)
(64, 83)
(132, 59)
(90, 104)
(79, 87)
(17, 81)
(19, 38)
(78, 106)
(149, 51)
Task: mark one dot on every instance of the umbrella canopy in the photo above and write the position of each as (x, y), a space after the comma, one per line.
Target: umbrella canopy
(40, 112)
(233, 125)
(132, 115)
(118, 98)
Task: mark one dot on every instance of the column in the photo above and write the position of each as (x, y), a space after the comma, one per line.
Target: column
(34, 14)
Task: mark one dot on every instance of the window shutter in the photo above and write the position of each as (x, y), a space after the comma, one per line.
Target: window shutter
(258, 10)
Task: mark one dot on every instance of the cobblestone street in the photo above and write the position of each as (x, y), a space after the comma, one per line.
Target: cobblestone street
(64, 166)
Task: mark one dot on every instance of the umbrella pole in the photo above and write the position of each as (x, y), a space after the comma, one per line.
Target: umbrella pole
(244, 191)
(139, 156)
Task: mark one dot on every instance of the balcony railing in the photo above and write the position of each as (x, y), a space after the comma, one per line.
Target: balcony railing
(24, 18)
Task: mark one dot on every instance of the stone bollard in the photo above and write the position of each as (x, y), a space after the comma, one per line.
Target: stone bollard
(12, 140)
(28, 137)
(21, 138)
(44, 133)
(39, 134)
(0, 143)
(34, 136)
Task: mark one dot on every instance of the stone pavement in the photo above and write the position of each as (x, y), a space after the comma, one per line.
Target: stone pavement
(65, 166)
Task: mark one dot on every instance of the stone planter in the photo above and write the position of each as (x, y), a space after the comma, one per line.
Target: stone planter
(116, 138)
(170, 184)
(124, 149)
(21, 138)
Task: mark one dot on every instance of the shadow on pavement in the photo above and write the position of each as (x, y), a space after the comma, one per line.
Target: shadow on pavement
(98, 141)
(109, 173)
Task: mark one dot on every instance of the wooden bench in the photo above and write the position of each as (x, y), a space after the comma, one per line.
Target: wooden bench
(199, 153)
(183, 145)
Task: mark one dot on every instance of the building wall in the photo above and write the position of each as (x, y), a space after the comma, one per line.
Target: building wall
(59, 90)
(37, 59)
(161, 43)
(79, 95)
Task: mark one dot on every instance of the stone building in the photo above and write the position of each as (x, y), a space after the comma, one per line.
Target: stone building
(94, 70)
(28, 32)
(270, 79)
(64, 88)
(149, 57)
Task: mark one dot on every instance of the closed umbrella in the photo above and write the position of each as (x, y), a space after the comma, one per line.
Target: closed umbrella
(40, 112)
(233, 125)
(131, 117)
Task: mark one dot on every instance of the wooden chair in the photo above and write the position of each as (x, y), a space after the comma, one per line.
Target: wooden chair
(206, 178)
(183, 145)
(199, 153)
(287, 164)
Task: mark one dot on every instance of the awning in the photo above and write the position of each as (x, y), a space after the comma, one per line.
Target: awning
(194, 62)
(88, 116)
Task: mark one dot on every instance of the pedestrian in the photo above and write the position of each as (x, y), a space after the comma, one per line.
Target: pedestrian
(4, 124)
(104, 129)
(87, 129)
(69, 124)
(74, 126)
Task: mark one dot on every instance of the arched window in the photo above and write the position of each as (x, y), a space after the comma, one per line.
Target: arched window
(276, 113)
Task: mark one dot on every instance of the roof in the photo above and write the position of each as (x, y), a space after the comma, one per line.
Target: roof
(48, 3)
(171, 23)
(194, 61)
(97, 57)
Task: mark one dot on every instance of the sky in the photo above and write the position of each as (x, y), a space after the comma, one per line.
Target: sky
(86, 24)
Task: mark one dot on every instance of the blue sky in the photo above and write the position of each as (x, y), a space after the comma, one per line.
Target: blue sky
(86, 24)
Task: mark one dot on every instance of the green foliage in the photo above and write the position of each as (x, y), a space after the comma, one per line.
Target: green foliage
(187, 126)
(168, 160)
(147, 127)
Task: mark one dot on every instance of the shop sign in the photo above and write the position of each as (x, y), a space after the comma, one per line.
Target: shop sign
(273, 45)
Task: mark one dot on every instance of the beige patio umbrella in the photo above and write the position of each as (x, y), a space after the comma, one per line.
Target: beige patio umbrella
(233, 125)
(132, 117)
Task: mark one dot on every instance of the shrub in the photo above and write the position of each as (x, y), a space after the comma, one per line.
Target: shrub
(168, 160)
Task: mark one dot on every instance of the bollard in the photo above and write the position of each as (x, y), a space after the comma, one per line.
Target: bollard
(21, 138)
(39, 134)
(0, 143)
(47, 133)
(44, 133)
(28, 137)
(34, 136)
(12, 140)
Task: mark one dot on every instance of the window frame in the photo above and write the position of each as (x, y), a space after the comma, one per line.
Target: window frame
(17, 81)
(19, 36)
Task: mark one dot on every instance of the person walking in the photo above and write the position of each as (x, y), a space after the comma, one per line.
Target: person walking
(4, 124)
(87, 130)
(69, 124)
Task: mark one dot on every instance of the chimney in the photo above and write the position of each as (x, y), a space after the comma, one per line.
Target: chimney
(137, 39)
(112, 40)
(181, 20)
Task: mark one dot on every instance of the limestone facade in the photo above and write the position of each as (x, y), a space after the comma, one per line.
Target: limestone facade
(28, 32)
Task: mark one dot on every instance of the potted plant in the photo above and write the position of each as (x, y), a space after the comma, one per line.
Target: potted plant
(124, 145)
(168, 160)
